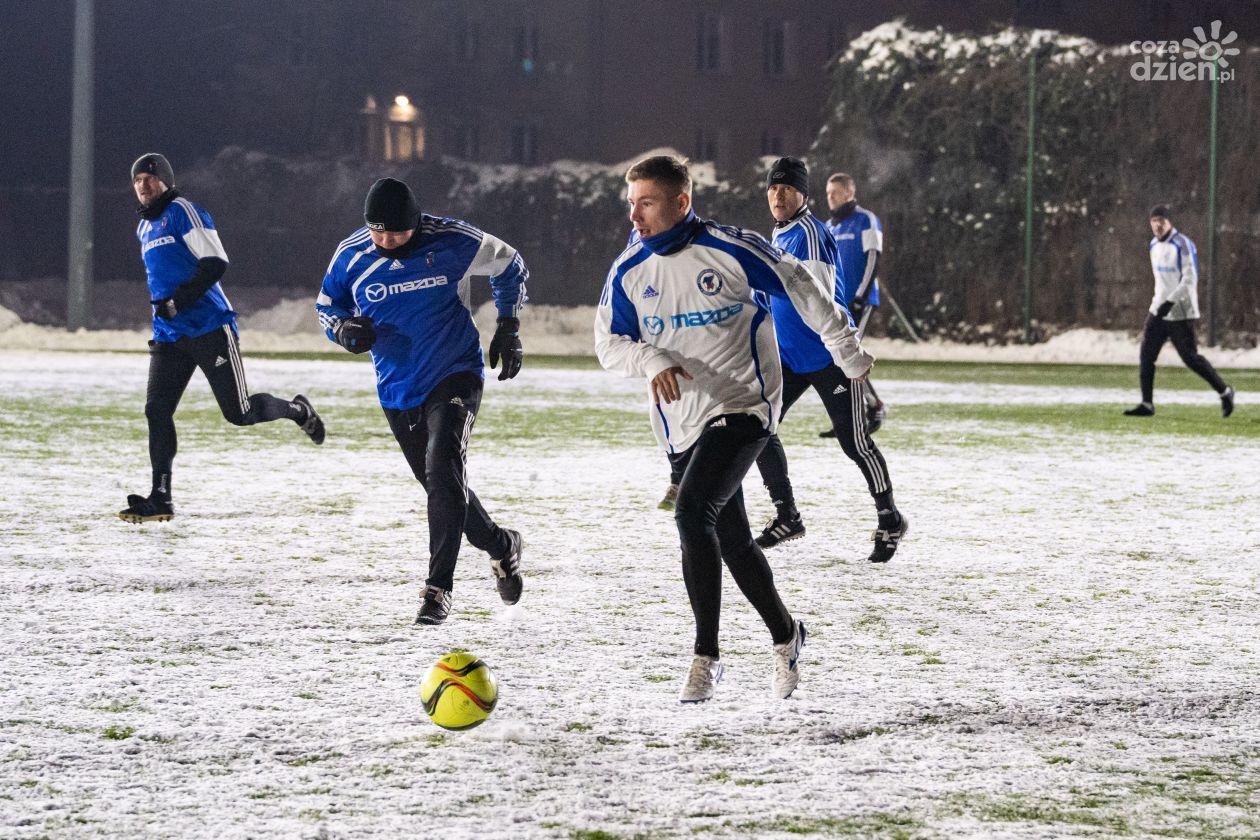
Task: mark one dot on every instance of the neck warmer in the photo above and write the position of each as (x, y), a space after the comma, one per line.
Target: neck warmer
(676, 238)
(404, 250)
(150, 212)
(799, 213)
(844, 211)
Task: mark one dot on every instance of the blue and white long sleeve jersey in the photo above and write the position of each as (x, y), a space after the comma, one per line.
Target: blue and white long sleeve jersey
(420, 303)
(1176, 266)
(170, 246)
(685, 298)
(807, 239)
(859, 238)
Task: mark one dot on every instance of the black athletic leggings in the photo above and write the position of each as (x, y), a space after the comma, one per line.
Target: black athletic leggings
(713, 528)
(434, 440)
(845, 402)
(1181, 333)
(171, 366)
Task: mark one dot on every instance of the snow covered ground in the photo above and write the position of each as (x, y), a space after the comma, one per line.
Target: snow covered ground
(1068, 643)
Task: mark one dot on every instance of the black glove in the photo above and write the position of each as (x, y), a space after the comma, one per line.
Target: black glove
(181, 301)
(1164, 309)
(856, 307)
(356, 334)
(507, 343)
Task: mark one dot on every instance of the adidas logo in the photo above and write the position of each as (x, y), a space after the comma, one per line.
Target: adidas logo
(220, 362)
(396, 264)
(649, 292)
(718, 423)
(840, 389)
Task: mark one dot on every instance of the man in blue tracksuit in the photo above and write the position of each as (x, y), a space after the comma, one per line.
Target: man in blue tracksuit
(399, 288)
(193, 327)
(859, 238)
(806, 364)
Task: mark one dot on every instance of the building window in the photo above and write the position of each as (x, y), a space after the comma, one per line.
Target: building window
(771, 144)
(467, 41)
(778, 49)
(468, 142)
(706, 145)
(709, 37)
(525, 47)
(525, 143)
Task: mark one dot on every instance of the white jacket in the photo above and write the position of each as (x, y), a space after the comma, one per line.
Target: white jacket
(685, 298)
(1176, 266)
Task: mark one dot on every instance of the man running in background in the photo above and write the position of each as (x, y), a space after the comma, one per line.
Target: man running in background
(399, 288)
(193, 327)
(859, 238)
(807, 363)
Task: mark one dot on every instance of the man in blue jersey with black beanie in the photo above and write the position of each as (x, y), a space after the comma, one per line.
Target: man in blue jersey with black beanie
(193, 327)
(399, 288)
(807, 363)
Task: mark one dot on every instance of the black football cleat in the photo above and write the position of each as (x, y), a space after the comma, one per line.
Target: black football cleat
(140, 509)
(435, 605)
(1227, 401)
(1141, 410)
(782, 528)
(887, 540)
(507, 569)
(314, 425)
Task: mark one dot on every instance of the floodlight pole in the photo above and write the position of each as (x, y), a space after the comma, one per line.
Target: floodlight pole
(82, 199)
(1211, 213)
(1028, 197)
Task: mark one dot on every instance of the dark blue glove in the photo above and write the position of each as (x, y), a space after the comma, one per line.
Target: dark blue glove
(356, 334)
(507, 344)
(1164, 309)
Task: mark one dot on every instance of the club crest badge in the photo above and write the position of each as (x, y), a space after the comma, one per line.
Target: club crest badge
(709, 282)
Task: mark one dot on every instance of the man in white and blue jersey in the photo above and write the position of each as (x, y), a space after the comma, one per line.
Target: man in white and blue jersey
(678, 310)
(807, 364)
(400, 289)
(1173, 311)
(193, 327)
(859, 238)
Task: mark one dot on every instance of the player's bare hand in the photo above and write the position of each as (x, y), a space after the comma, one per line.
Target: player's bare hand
(665, 386)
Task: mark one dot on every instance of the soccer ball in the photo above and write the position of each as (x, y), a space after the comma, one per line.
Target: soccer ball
(459, 691)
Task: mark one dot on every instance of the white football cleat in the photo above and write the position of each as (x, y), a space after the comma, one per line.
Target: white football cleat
(706, 672)
(786, 674)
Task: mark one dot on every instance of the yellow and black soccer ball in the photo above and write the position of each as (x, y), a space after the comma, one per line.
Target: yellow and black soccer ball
(459, 691)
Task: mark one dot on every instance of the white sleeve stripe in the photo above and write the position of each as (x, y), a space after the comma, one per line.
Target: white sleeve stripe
(355, 288)
(357, 239)
(193, 216)
(204, 242)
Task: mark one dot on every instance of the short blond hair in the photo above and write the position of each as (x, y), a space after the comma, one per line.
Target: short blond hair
(843, 179)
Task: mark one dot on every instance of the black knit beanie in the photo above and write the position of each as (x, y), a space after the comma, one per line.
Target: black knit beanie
(790, 171)
(391, 206)
(1161, 211)
(156, 165)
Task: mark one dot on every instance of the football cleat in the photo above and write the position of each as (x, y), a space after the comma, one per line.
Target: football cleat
(671, 498)
(1144, 410)
(507, 569)
(781, 529)
(1227, 401)
(786, 674)
(706, 672)
(139, 509)
(435, 605)
(313, 426)
(887, 540)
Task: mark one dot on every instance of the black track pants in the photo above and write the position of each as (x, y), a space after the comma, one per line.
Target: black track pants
(1181, 333)
(434, 439)
(845, 402)
(713, 528)
(171, 366)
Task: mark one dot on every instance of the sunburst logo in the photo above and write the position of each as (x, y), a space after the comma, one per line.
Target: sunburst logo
(1211, 49)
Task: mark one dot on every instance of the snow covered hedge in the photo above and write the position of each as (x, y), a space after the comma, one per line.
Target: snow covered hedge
(933, 125)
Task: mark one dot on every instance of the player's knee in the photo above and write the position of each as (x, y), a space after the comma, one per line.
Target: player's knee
(158, 411)
(694, 518)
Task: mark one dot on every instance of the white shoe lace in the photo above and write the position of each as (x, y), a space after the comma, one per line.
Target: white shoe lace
(786, 675)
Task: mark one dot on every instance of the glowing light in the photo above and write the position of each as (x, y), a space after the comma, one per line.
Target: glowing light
(401, 101)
